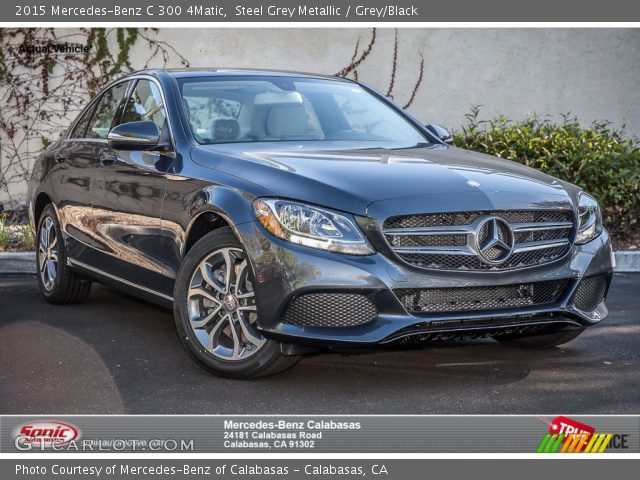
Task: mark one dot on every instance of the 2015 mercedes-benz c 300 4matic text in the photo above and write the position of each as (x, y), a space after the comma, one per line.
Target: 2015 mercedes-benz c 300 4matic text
(278, 213)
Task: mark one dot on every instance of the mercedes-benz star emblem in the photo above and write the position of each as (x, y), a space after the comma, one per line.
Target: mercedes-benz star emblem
(494, 240)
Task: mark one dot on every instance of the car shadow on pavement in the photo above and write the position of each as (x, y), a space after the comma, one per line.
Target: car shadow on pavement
(117, 354)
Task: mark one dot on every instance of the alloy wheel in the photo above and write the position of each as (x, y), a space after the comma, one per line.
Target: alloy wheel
(48, 253)
(221, 306)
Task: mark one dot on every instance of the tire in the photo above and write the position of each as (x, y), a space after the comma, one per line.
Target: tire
(215, 319)
(539, 341)
(57, 282)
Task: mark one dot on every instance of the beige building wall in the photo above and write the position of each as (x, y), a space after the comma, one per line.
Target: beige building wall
(592, 73)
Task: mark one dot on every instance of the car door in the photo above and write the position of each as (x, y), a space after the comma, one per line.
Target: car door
(127, 198)
(72, 173)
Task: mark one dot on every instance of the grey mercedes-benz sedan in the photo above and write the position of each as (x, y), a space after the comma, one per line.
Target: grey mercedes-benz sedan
(280, 213)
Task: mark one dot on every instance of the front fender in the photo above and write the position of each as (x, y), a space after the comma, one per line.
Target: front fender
(233, 205)
(193, 190)
(210, 204)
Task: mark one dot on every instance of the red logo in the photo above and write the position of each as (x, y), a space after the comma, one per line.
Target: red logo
(570, 427)
(46, 434)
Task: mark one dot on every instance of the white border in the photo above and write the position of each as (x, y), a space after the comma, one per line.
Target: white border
(312, 455)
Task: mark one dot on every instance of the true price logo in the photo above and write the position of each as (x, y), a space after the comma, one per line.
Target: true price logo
(570, 427)
(46, 434)
(569, 436)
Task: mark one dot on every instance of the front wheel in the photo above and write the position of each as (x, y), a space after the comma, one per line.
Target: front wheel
(216, 314)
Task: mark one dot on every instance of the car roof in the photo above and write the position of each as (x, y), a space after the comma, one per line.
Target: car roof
(219, 71)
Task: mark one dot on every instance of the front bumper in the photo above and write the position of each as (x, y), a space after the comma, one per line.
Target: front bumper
(285, 271)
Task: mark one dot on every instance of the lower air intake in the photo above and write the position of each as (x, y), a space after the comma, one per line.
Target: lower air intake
(591, 292)
(330, 310)
(472, 299)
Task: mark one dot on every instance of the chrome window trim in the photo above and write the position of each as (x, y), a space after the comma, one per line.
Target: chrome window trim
(86, 139)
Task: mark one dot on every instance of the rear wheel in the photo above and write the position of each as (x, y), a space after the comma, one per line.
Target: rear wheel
(57, 282)
(541, 340)
(216, 314)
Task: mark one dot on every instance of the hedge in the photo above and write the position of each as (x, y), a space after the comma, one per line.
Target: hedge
(599, 158)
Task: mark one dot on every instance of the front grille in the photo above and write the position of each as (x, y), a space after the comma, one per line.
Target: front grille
(465, 218)
(468, 262)
(429, 240)
(591, 292)
(330, 310)
(447, 241)
(474, 299)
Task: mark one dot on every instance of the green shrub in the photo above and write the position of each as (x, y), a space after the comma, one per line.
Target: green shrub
(599, 158)
(15, 234)
(27, 241)
(4, 234)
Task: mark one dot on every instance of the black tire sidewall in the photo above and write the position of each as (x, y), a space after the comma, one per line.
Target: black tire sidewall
(247, 368)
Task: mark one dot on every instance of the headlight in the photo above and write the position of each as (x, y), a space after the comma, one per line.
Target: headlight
(590, 219)
(311, 226)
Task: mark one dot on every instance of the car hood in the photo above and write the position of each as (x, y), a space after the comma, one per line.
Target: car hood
(381, 182)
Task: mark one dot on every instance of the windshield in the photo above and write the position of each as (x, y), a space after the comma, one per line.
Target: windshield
(277, 109)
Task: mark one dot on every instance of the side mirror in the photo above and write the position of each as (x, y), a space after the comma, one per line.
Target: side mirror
(440, 133)
(142, 135)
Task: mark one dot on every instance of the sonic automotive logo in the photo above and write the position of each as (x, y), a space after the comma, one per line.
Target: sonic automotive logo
(61, 436)
(45, 434)
(570, 436)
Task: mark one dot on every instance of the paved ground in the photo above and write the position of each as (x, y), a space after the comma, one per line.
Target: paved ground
(115, 354)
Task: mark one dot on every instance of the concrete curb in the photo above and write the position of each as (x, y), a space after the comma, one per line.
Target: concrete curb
(627, 261)
(17, 262)
(25, 262)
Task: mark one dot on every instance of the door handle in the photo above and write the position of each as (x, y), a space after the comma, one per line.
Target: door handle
(108, 158)
(60, 157)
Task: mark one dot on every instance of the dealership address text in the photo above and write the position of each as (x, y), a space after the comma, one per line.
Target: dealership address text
(282, 434)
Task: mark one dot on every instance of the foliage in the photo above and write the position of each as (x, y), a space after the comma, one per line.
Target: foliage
(27, 240)
(42, 90)
(359, 58)
(14, 234)
(599, 158)
(5, 234)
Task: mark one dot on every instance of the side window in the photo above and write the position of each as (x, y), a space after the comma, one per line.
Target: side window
(81, 127)
(145, 103)
(106, 111)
